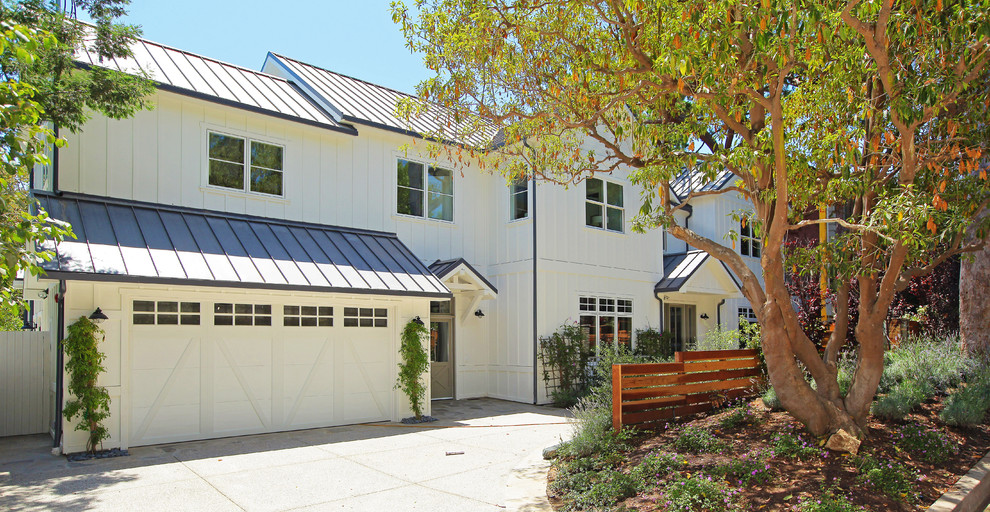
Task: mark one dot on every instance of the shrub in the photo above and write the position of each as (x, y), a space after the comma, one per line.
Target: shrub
(89, 401)
(654, 467)
(415, 362)
(793, 445)
(929, 444)
(847, 368)
(655, 344)
(889, 477)
(771, 401)
(697, 440)
(752, 467)
(935, 364)
(828, 501)
(688, 494)
(900, 401)
(564, 356)
(739, 415)
(968, 405)
(719, 339)
(590, 484)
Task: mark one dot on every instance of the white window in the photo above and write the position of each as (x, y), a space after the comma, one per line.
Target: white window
(603, 207)
(165, 312)
(749, 239)
(243, 164)
(519, 199)
(307, 316)
(365, 317)
(606, 321)
(242, 314)
(747, 315)
(424, 191)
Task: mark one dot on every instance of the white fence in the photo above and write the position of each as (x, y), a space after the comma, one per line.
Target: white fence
(24, 394)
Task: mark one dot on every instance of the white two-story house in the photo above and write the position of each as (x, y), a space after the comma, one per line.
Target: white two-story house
(259, 239)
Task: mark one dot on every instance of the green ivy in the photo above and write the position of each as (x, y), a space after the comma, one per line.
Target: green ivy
(84, 366)
(415, 362)
(564, 356)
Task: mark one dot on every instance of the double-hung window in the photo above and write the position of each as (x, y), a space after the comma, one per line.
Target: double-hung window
(607, 321)
(519, 199)
(749, 239)
(603, 206)
(243, 164)
(424, 191)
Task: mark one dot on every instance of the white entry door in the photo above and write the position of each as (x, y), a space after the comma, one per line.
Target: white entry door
(220, 369)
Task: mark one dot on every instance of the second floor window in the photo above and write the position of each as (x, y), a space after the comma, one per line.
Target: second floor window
(519, 199)
(424, 191)
(242, 164)
(603, 207)
(749, 240)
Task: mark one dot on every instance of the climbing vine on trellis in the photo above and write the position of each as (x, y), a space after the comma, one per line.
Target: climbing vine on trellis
(84, 366)
(415, 362)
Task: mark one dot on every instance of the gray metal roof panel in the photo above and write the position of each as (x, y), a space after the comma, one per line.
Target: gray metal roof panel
(187, 73)
(367, 103)
(147, 242)
(678, 268)
(693, 180)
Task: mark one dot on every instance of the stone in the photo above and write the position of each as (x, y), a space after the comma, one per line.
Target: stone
(843, 442)
(551, 451)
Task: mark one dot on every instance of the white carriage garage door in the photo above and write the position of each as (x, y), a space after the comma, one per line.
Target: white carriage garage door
(205, 369)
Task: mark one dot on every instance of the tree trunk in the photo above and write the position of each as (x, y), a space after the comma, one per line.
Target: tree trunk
(974, 300)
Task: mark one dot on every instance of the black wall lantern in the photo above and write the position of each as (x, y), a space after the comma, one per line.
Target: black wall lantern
(98, 316)
(704, 316)
(479, 313)
(418, 320)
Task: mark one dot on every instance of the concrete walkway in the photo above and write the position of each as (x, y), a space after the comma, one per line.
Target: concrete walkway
(360, 467)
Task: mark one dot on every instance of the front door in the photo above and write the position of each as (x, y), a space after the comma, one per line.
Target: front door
(680, 323)
(441, 365)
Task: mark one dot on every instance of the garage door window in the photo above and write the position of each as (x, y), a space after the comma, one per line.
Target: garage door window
(307, 316)
(365, 317)
(242, 314)
(149, 312)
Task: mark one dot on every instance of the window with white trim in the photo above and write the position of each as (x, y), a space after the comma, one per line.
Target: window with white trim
(239, 163)
(307, 316)
(226, 313)
(747, 315)
(365, 317)
(424, 191)
(606, 321)
(165, 312)
(603, 206)
(519, 199)
(749, 239)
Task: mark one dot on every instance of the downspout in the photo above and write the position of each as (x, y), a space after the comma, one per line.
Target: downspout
(59, 363)
(55, 189)
(718, 314)
(536, 335)
(687, 225)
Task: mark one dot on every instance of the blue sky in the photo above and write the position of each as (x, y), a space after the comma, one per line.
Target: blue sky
(355, 37)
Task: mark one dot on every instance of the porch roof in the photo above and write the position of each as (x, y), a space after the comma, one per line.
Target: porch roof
(444, 269)
(679, 269)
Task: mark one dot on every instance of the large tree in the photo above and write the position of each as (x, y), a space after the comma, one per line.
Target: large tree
(42, 90)
(875, 110)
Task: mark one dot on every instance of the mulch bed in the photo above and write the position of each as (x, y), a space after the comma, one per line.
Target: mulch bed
(795, 479)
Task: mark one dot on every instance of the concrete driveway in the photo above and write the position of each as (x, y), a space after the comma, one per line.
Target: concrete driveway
(361, 467)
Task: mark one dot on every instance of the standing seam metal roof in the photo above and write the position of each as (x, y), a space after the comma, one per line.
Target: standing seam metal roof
(442, 268)
(186, 73)
(363, 102)
(145, 242)
(678, 268)
(691, 180)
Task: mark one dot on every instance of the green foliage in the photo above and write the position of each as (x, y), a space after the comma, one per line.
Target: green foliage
(656, 466)
(794, 444)
(719, 339)
(693, 493)
(901, 400)
(564, 356)
(968, 405)
(830, 500)
(584, 487)
(697, 440)
(846, 369)
(84, 366)
(741, 414)
(930, 445)
(935, 363)
(752, 468)
(771, 401)
(654, 344)
(415, 362)
(889, 477)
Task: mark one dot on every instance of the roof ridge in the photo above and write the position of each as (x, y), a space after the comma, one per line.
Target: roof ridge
(380, 86)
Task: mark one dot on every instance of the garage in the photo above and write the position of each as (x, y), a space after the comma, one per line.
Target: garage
(223, 325)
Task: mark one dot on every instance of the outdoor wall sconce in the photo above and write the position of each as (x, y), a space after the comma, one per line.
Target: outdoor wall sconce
(98, 316)
(43, 294)
(479, 313)
(418, 320)
(704, 316)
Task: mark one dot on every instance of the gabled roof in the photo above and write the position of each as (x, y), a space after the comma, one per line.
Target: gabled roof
(358, 101)
(679, 268)
(444, 268)
(194, 75)
(693, 180)
(119, 240)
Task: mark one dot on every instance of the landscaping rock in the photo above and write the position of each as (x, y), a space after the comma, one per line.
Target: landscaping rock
(423, 419)
(102, 454)
(843, 442)
(551, 451)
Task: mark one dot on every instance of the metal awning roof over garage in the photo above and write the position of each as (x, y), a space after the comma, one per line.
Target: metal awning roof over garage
(120, 240)
(679, 269)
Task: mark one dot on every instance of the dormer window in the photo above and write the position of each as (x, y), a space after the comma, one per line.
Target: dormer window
(243, 164)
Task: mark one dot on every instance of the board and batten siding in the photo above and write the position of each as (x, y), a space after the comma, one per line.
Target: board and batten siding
(25, 406)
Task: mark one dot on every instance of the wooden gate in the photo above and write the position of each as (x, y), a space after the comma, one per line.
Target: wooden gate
(24, 395)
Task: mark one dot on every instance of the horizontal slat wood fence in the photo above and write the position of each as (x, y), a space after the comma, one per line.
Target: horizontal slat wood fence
(694, 382)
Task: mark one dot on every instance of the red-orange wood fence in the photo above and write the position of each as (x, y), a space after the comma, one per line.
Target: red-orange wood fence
(694, 382)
